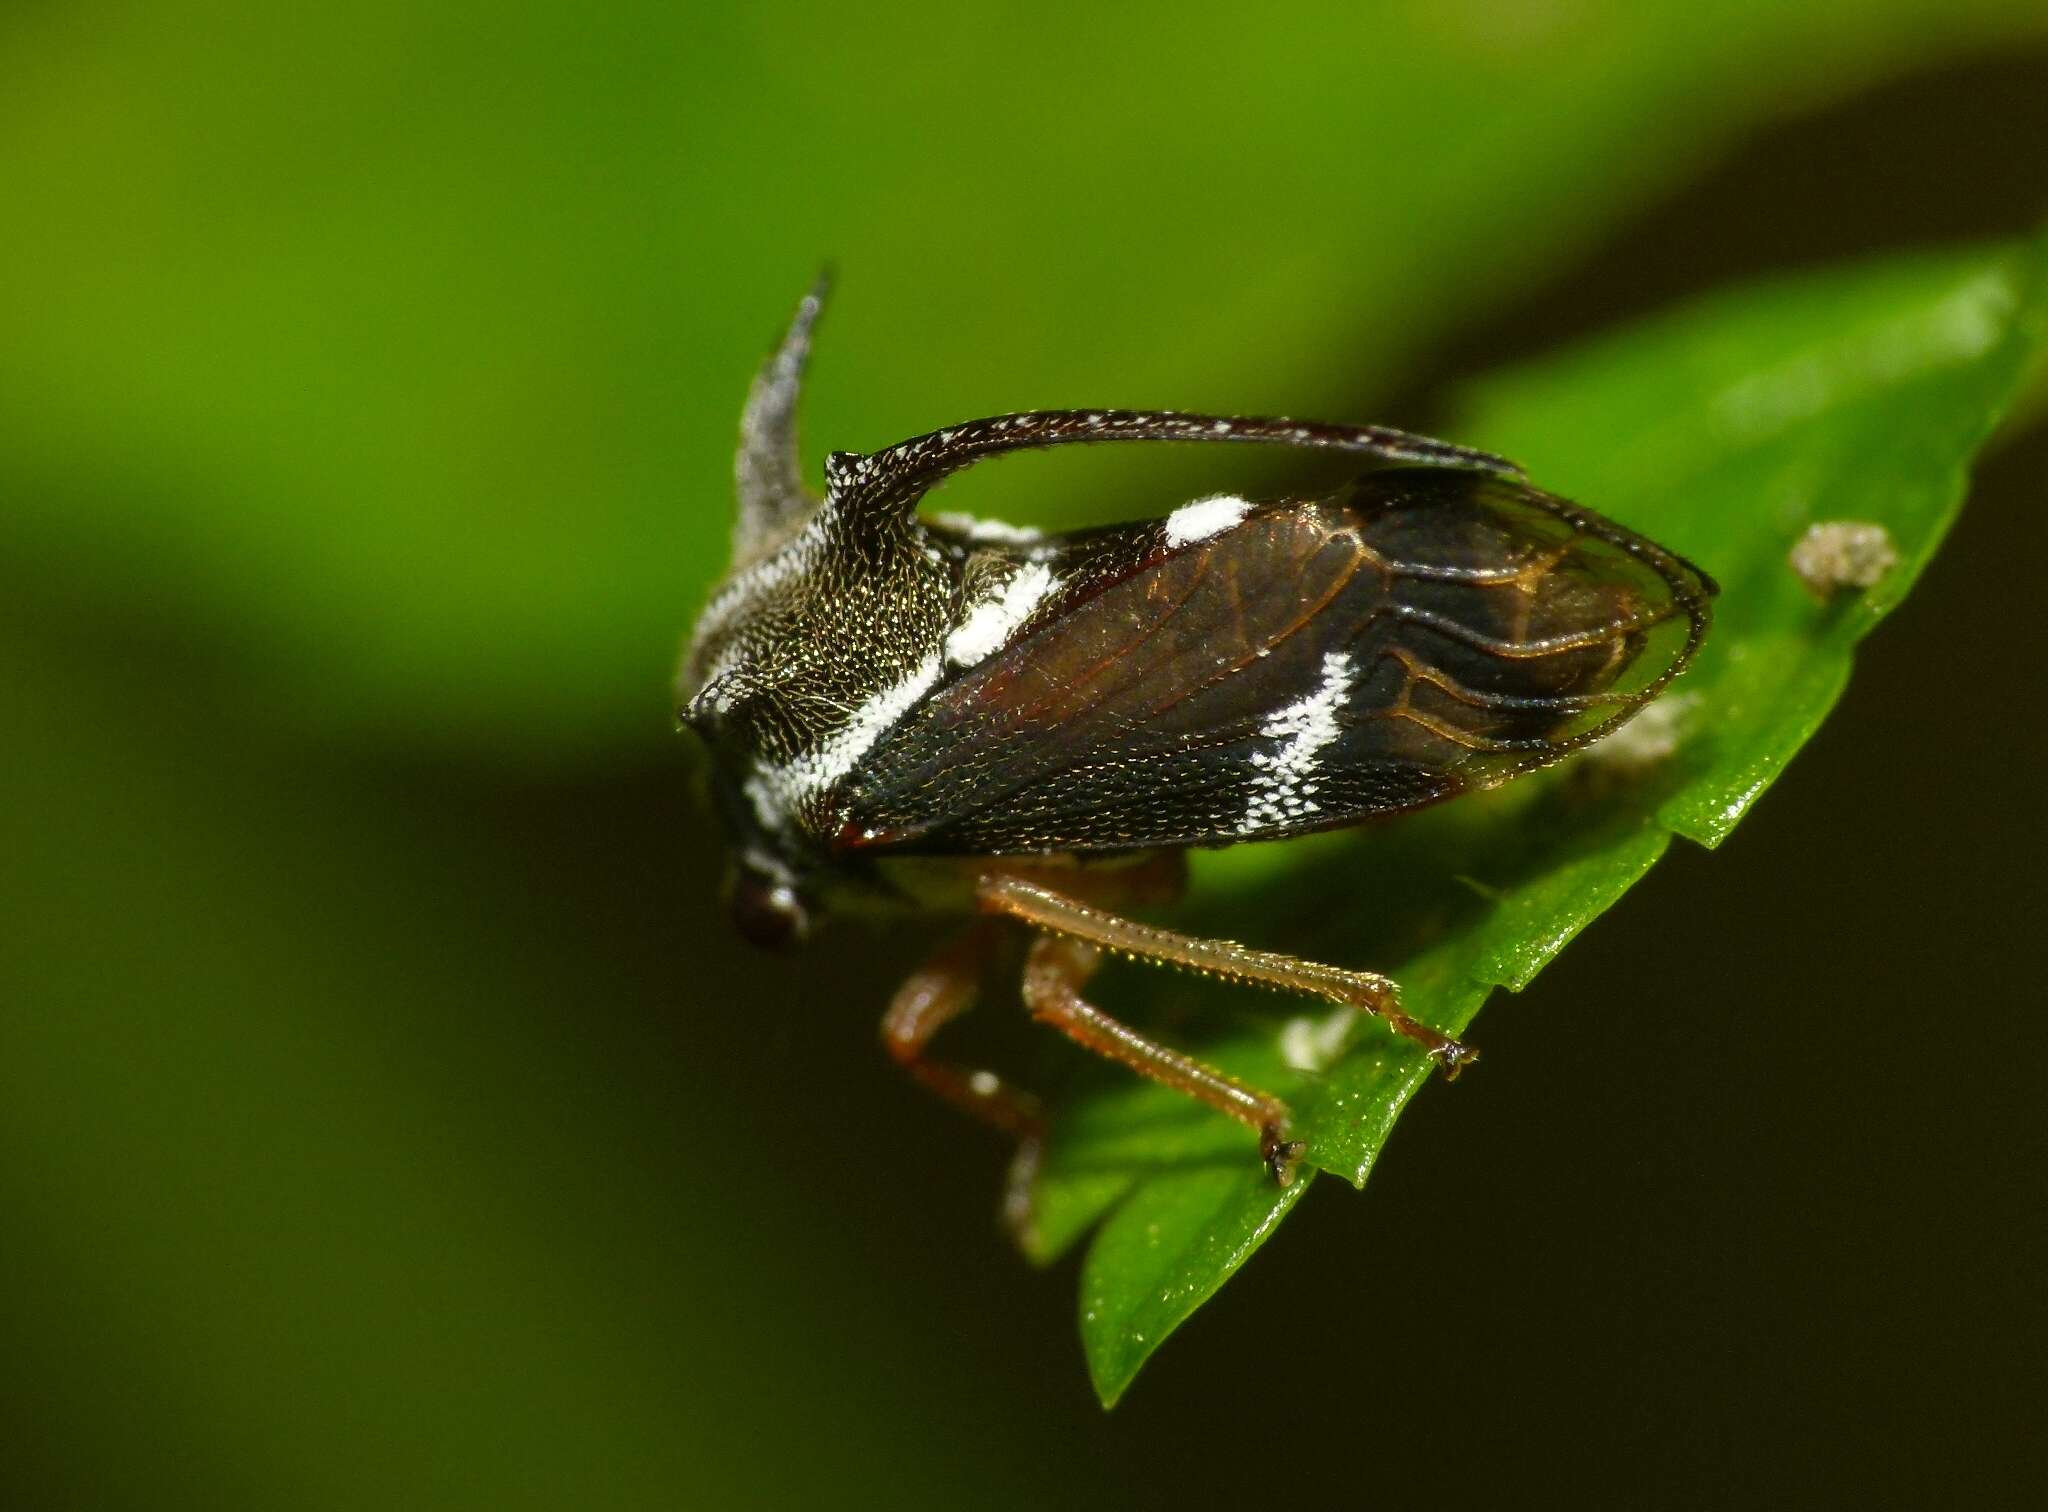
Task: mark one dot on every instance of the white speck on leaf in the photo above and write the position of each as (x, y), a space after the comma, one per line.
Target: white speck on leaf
(1838, 554)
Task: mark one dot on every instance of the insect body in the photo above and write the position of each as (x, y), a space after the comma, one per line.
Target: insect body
(1037, 727)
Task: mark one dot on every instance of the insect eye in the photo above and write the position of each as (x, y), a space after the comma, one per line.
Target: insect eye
(767, 913)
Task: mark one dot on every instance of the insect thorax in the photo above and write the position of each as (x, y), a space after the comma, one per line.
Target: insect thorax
(805, 658)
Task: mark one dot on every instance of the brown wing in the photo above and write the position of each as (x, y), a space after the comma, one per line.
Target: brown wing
(1421, 633)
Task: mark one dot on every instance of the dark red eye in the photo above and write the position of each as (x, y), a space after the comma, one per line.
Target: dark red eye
(768, 913)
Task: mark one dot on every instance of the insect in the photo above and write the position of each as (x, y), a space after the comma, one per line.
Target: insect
(942, 712)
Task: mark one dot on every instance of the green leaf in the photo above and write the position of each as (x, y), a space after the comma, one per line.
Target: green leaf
(1163, 1253)
(1723, 430)
(402, 346)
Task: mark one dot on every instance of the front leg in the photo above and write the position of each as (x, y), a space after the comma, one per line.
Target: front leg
(930, 998)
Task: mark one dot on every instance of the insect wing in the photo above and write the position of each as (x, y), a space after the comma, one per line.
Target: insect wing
(1420, 633)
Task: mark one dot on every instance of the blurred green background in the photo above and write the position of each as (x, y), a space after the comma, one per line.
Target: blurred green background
(385, 1115)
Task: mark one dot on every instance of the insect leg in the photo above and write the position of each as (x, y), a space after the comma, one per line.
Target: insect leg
(1054, 973)
(1365, 991)
(930, 998)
